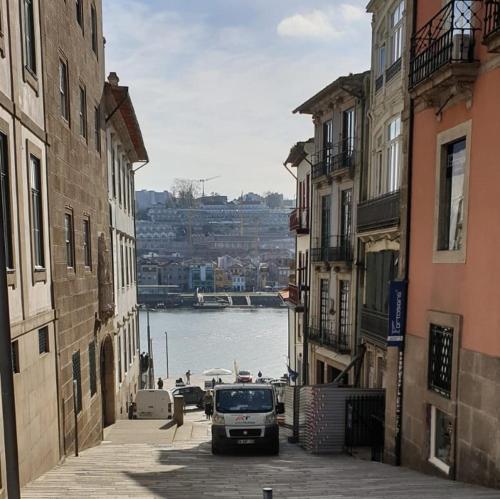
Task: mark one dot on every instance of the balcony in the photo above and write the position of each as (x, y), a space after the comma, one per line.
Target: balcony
(326, 335)
(379, 213)
(335, 249)
(492, 25)
(299, 221)
(336, 160)
(442, 52)
(393, 70)
(374, 325)
(294, 297)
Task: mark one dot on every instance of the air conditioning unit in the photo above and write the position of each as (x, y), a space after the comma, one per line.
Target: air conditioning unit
(462, 43)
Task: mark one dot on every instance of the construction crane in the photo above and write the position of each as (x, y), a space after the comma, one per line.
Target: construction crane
(202, 182)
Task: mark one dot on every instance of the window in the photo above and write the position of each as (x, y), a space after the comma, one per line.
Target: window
(396, 39)
(6, 207)
(125, 187)
(77, 376)
(441, 438)
(324, 304)
(344, 312)
(122, 264)
(325, 220)
(29, 36)
(348, 132)
(393, 155)
(63, 89)
(87, 247)
(43, 340)
(93, 21)
(137, 333)
(69, 240)
(327, 142)
(37, 214)
(15, 357)
(129, 344)
(119, 358)
(83, 112)
(97, 129)
(381, 269)
(451, 210)
(113, 170)
(440, 359)
(79, 13)
(119, 165)
(125, 349)
(127, 265)
(92, 369)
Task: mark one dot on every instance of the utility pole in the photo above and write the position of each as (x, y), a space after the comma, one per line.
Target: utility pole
(166, 351)
(6, 379)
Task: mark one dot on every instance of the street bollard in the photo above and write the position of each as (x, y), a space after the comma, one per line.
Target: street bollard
(179, 410)
(267, 493)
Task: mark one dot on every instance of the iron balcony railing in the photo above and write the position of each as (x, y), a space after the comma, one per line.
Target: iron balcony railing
(491, 18)
(327, 334)
(332, 249)
(374, 324)
(299, 220)
(393, 70)
(448, 37)
(334, 158)
(294, 294)
(380, 212)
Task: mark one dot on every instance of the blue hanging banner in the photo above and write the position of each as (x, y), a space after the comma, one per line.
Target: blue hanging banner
(397, 313)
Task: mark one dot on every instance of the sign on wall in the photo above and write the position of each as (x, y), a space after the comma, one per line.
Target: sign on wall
(397, 313)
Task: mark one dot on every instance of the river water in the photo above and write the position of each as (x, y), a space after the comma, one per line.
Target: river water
(201, 339)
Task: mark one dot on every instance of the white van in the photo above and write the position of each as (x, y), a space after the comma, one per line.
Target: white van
(154, 404)
(244, 415)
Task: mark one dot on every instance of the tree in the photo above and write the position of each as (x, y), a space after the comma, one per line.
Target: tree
(185, 192)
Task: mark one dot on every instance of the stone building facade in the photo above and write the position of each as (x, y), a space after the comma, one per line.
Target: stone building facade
(73, 75)
(25, 196)
(124, 148)
(382, 210)
(300, 159)
(338, 113)
(451, 408)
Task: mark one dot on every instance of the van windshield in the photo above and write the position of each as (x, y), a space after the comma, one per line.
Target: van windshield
(258, 400)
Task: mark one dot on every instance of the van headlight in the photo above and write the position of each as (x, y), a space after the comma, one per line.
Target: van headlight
(218, 419)
(270, 419)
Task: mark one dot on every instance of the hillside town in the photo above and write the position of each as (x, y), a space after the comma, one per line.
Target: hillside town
(336, 339)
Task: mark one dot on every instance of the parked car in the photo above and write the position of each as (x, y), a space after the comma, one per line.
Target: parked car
(193, 395)
(244, 377)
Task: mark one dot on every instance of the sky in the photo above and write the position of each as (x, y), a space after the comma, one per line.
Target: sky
(214, 82)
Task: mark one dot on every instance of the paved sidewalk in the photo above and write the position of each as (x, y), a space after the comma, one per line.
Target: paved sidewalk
(139, 459)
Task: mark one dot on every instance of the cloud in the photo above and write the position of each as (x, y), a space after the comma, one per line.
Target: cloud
(315, 24)
(215, 97)
(352, 13)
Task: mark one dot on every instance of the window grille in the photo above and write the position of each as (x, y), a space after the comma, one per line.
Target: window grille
(92, 368)
(43, 340)
(77, 376)
(440, 359)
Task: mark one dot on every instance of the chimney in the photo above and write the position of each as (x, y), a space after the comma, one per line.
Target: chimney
(113, 79)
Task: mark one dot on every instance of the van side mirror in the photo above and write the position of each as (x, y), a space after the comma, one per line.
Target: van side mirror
(280, 408)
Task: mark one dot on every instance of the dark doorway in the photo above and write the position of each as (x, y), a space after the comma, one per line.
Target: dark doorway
(320, 372)
(107, 382)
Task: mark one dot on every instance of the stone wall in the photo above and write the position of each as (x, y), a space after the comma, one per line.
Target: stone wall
(475, 415)
(77, 182)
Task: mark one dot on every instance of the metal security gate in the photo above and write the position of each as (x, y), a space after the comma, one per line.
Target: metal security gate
(364, 423)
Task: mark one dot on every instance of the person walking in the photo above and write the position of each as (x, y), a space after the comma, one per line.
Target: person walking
(208, 403)
(160, 384)
(188, 377)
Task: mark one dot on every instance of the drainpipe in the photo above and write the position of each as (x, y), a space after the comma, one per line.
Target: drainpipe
(401, 349)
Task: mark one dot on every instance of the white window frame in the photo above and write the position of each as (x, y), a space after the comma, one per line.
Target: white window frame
(393, 180)
(396, 38)
(433, 459)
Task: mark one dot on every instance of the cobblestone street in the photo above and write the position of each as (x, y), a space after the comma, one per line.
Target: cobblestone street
(143, 459)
